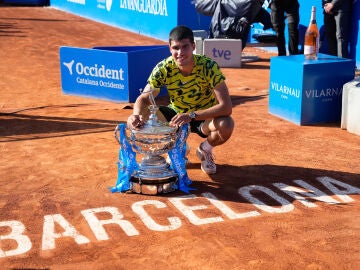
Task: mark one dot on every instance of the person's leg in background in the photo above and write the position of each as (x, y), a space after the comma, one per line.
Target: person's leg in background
(293, 19)
(278, 22)
(330, 33)
(293, 38)
(343, 24)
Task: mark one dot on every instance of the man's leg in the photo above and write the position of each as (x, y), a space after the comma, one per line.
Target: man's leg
(218, 131)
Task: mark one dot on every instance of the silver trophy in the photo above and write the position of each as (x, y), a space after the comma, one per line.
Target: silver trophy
(154, 175)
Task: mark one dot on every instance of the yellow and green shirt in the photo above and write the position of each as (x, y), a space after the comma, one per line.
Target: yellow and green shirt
(188, 93)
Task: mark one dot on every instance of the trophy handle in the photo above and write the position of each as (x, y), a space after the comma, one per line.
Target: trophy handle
(116, 134)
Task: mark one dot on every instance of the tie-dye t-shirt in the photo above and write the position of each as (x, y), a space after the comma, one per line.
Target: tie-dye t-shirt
(188, 93)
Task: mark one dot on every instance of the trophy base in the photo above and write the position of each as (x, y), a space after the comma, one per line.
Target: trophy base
(153, 186)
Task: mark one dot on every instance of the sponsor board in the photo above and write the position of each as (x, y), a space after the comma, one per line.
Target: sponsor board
(308, 91)
(109, 73)
(225, 52)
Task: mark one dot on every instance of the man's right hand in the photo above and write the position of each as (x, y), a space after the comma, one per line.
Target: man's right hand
(135, 121)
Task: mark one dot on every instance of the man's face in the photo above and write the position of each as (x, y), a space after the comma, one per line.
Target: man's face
(182, 52)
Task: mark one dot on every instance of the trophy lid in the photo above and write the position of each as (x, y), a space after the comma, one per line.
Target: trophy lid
(157, 128)
(154, 126)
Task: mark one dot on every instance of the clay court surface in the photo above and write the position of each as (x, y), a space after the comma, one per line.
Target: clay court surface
(284, 197)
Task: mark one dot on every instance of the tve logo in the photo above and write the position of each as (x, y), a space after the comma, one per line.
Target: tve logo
(218, 53)
(226, 52)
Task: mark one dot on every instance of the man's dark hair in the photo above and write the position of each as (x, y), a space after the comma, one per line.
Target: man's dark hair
(181, 32)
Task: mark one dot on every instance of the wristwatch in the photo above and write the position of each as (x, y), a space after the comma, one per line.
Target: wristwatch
(192, 115)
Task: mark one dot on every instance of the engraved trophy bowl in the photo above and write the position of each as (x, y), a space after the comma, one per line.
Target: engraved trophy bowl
(154, 175)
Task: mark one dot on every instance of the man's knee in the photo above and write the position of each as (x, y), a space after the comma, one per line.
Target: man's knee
(225, 126)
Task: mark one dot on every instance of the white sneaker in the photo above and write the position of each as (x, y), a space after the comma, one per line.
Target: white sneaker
(207, 161)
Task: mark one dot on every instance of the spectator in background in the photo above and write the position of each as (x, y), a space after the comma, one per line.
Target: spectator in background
(337, 23)
(278, 10)
(233, 18)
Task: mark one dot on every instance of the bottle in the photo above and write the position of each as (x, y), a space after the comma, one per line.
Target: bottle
(312, 37)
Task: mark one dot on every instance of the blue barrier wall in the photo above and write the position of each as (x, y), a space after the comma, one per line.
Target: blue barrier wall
(154, 18)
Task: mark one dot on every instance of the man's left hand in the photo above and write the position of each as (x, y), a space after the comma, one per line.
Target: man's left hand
(180, 119)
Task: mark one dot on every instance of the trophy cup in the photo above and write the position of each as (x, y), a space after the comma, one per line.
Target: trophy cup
(153, 175)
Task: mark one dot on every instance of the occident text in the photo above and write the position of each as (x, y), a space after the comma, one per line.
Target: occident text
(155, 7)
(89, 75)
(100, 83)
(101, 72)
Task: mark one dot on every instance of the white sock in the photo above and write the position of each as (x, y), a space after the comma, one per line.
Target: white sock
(206, 146)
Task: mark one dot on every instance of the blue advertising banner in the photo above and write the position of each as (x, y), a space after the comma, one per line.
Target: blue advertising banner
(108, 73)
(154, 18)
